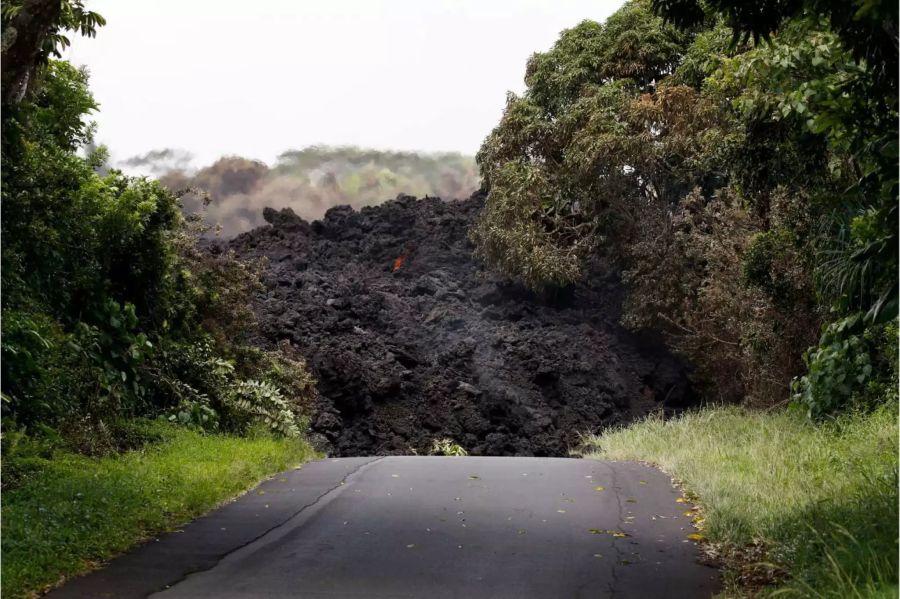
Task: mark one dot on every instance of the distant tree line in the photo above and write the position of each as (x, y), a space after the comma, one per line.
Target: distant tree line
(231, 193)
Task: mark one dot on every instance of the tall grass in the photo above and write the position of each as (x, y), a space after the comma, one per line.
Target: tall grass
(821, 499)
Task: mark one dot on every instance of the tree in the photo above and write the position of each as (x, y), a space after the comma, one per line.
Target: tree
(742, 189)
(32, 33)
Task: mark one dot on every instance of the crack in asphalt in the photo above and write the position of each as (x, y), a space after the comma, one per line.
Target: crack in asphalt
(269, 530)
(614, 578)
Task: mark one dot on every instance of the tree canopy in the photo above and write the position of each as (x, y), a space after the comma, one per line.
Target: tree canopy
(737, 162)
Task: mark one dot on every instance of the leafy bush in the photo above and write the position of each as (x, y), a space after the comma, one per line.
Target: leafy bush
(838, 370)
(260, 401)
(111, 309)
(447, 447)
(851, 366)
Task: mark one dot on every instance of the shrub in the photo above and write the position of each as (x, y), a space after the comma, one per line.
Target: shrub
(111, 309)
(447, 447)
(255, 401)
(39, 364)
(838, 370)
(851, 366)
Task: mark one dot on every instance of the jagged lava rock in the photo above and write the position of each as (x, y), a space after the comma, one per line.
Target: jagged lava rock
(412, 339)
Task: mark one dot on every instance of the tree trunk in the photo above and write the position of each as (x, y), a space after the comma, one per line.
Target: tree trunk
(21, 45)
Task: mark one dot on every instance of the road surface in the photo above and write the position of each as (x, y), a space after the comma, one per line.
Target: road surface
(430, 527)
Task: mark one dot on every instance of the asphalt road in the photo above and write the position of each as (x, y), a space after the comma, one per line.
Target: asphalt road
(429, 527)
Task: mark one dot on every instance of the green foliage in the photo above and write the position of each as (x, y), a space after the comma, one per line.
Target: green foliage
(70, 512)
(210, 394)
(512, 236)
(838, 370)
(447, 447)
(72, 17)
(851, 366)
(114, 353)
(261, 401)
(771, 264)
(745, 191)
(110, 308)
(781, 495)
(598, 136)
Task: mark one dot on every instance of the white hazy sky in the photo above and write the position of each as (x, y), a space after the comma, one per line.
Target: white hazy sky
(257, 78)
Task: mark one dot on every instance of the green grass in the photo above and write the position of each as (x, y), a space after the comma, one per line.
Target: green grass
(76, 511)
(821, 500)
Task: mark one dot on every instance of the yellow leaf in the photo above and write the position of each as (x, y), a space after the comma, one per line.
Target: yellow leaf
(681, 500)
(599, 488)
(643, 482)
(595, 531)
(619, 535)
(688, 513)
(696, 536)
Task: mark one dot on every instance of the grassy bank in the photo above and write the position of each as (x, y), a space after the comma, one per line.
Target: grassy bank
(816, 503)
(74, 511)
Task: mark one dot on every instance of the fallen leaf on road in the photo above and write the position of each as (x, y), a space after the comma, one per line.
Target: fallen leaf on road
(681, 500)
(696, 536)
(599, 488)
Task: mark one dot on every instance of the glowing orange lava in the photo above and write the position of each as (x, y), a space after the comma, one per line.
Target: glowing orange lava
(399, 262)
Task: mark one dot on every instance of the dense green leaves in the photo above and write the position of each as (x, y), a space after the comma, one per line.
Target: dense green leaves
(744, 190)
(110, 309)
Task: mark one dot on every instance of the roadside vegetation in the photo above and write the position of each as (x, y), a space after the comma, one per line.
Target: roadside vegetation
(810, 509)
(112, 315)
(737, 163)
(70, 512)
(747, 190)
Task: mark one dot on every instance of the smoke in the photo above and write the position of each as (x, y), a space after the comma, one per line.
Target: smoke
(309, 181)
(158, 162)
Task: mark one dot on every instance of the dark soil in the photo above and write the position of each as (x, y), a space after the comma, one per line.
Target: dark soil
(439, 347)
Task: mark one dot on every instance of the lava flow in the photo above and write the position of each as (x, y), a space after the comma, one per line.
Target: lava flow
(406, 352)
